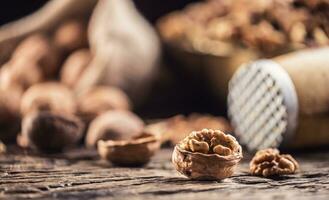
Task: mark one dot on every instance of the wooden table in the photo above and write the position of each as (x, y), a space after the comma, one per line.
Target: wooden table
(80, 175)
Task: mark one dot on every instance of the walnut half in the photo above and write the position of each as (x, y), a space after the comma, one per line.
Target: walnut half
(132, 152)
(269, 162)
(207, 155)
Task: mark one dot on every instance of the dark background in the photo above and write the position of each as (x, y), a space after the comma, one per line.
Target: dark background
(152, 9)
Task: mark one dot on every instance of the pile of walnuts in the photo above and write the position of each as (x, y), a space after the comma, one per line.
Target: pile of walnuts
(270, 27)
(39, 106)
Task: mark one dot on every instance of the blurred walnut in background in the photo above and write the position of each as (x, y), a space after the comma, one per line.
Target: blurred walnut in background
(100, 99)
(178, 127)
(269, 27)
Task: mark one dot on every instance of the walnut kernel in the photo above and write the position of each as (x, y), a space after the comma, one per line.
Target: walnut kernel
(269, 162)
(207, 155)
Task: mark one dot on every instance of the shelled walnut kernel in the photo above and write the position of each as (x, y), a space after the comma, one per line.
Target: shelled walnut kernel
(269, 162)
(207, 155)
(211, 141)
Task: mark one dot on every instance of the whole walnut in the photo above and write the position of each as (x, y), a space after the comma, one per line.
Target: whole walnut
(49, 96)
(74, 66)
(114, 125)
(100, 99)
(50, 132)
(207, 155)
(71, 35)
(14, 73)
(9, 113)
(269, 162)
(38, 50)
(2, 147)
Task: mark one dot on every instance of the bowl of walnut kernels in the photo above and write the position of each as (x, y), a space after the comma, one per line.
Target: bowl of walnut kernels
(214, 37)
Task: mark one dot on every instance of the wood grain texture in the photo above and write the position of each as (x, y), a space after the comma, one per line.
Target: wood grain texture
(79, 174)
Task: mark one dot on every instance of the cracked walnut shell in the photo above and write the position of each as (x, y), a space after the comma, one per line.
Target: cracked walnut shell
(132, 152)
(207, 155)
(269, 162)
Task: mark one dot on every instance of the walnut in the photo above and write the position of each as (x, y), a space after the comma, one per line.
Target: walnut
(50, 132)
(38, 50)
(9, 113)
(132, 152)
(100, 99)
(178, 127)
(74, 66)
(2, 147)
(71, 35)
(14, 73)
(114, 125)
(266, 27)
(49, 96)
(207, 155)
(269, 162)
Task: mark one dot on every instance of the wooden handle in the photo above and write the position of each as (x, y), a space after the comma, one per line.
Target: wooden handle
(309, 71)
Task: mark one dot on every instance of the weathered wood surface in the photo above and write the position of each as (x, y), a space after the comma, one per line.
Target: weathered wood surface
(80, 175)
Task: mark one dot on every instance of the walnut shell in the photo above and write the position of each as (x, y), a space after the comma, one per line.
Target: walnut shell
(134, 152)
(100, 99)
(74, 66)
(37, 49)
(269, 162)
(207, 155)
(114, 125)
(50, 132)
(199, 166)
(49, 96)
(71, 35)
